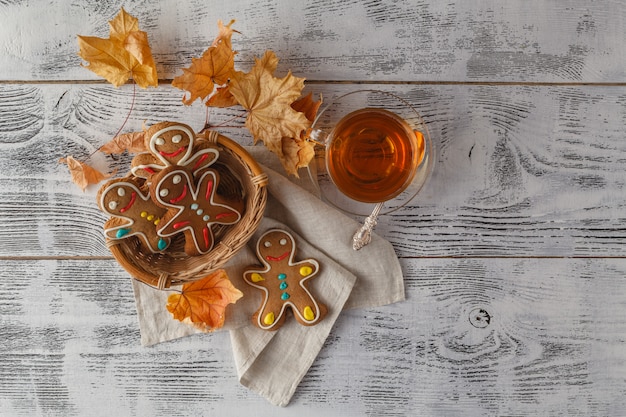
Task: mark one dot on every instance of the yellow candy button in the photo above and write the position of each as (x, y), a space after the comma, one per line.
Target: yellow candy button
(144, 213)
(306, 270)
(269, 318)
(150, 217)
(256, 277)
(308, 313)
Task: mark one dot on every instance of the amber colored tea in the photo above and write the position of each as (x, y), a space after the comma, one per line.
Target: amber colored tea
(373, 155)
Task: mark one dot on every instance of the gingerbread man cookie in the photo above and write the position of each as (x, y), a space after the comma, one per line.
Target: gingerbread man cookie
(171, 143)
(192, 207)
(133, 213)
(284, 282)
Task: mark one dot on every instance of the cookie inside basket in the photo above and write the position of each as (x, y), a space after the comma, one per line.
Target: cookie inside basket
(243, 184)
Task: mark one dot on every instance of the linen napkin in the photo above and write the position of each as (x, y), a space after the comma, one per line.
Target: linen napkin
(273, 363)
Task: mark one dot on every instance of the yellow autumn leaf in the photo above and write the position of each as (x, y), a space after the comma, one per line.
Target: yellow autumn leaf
(83, 174)
(203, 303)
(124, 55)
(122, 25)
(268, 100)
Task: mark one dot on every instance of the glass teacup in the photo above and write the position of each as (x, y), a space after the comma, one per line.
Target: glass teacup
(375, 149)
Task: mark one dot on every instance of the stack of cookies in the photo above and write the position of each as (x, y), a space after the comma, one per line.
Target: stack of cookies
(179, 199)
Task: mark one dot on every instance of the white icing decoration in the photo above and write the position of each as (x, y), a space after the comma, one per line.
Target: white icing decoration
(206, 218)
(163, 192)
(156, 137)
(267, 244)
(176, 138)
(283, 242)
(159, 141)
(112, 205)
(177, 179)
(121, 192)
(199, 212)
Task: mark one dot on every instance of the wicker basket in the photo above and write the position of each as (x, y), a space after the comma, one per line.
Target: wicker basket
(240, 174)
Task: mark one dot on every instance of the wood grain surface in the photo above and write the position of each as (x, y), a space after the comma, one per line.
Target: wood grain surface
(513, 253)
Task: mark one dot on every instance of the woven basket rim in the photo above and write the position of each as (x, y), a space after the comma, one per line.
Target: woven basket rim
(156, 269)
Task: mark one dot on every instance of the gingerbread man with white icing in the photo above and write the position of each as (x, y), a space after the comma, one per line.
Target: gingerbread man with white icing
(284, 282)
(172, 143)
(192, 207)
(133, 213)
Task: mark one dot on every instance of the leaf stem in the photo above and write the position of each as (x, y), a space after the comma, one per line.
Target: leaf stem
(130, 110)
(239, 116)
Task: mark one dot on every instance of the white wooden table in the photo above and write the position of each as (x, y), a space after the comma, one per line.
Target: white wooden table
(523, 223)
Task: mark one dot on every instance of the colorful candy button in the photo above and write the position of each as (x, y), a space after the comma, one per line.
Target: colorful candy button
(162, 244)
(269, 318)
(308, 313)
(256, 277)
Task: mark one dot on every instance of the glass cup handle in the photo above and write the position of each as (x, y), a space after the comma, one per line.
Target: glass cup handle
(318, 136)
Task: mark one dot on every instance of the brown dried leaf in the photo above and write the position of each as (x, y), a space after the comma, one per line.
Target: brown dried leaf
(269, 100)
(225, 34)
(132, 142)
(214, 67)
(221, 98)
(297, 153)
(308, 106)
(82, 174)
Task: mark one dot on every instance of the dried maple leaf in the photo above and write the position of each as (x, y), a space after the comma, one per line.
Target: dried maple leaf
(268, 100)
(214, 67)
(124, 55)
(298, 152)
(308, 106)
(221, 98)
(82, 174)
(132, 142)
(225, 34)
(202, 303)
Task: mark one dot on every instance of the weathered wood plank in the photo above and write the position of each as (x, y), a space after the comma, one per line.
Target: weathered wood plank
(577, 41)
(521, 171)
(552, 345)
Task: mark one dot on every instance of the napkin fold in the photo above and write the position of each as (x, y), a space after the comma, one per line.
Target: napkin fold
(272, 363)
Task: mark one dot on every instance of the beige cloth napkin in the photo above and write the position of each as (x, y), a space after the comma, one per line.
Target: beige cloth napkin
(273, 363)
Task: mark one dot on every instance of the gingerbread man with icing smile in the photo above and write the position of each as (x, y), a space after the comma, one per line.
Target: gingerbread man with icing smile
(133, 213)
(171, 143)
(192, 208)
(284, 283)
